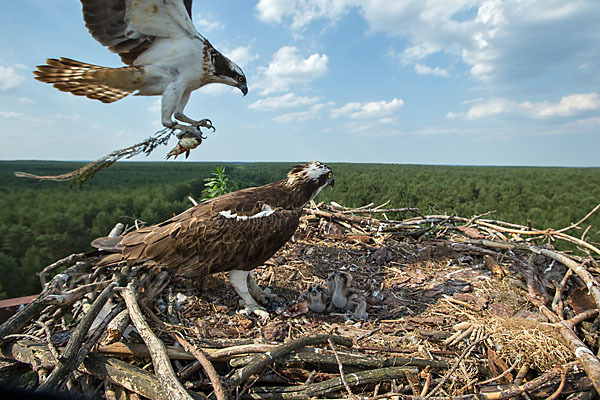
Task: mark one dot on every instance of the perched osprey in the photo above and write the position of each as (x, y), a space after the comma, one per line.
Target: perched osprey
(164, 52)
(235, 232)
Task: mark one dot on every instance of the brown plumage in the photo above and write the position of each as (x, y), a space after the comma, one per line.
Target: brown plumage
(236, 231)
(92, 81)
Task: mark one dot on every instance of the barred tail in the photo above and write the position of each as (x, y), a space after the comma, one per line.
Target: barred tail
(92, 81)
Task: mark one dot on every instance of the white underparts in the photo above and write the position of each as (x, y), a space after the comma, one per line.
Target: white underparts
(265, 212)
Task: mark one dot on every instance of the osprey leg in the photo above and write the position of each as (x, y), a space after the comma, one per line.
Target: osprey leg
(239, 281)
(262, 296)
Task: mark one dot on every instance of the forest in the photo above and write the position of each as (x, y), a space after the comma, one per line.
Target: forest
(41, 222)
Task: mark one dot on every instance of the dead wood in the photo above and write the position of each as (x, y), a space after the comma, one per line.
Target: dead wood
(263, 360)
(112, 369)
(452, 313)
(170, 385)
(67, 362)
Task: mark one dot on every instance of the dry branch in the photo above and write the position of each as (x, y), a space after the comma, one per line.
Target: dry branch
(170, 385)
(417, 291)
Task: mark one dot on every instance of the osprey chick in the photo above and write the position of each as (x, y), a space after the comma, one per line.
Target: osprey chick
(235, 232)
(164, 52)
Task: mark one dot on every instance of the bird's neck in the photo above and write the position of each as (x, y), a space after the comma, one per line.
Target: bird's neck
(298, 194)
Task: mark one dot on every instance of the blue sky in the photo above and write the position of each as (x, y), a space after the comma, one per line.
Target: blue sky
(501, 82)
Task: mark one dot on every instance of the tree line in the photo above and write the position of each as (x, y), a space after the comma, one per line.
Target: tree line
(41, 222)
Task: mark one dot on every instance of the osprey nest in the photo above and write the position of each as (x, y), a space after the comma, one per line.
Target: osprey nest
(444, 307)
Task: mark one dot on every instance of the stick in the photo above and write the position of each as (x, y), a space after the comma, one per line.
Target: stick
(576, 267)
(341, 368)
(171, 388)
(198, 354)
(263, 360)
(591, 364)
(112, 369)
(328, 386)
(466, 352)
(67, 261)
(67, 361)
(18, 321)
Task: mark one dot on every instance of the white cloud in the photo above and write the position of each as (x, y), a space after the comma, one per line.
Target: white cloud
(497, 39)
(241, 55)
(367, 110)
(566, 107)
(427, 70)
(388, 120)
(288, 68)
(301, 12)
(300, 116)
(208, 24)
(10, 114)
(9, 78)
(26, 100)
(286, 101)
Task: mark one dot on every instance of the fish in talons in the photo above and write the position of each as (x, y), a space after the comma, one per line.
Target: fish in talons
(188, 140)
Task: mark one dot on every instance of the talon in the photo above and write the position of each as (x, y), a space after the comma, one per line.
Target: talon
(205, 123)
(256, 310)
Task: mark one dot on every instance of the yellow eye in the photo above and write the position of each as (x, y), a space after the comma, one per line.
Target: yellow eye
(329, 175)
(241, 78)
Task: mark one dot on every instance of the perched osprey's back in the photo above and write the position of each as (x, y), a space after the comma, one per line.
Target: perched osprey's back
(164, 52)
(235, 232)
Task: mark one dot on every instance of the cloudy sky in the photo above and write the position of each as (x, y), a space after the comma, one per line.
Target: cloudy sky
(502, 82)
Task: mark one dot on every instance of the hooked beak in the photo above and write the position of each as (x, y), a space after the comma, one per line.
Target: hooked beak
(244, 89)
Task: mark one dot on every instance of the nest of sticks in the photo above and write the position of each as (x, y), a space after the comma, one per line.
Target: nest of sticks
(457, 308)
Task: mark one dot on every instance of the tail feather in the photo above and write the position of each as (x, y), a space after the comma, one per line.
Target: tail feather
(92, 81)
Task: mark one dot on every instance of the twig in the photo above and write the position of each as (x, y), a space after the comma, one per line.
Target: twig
(97, 334)
(341, 368)
(560, 388)
(80, 175)
(51, 346)
(502, 375)
(591, 364)
(67, 261)
(263, 360)
(580, 221)
(18, 321)
(198, 354)
(466, 352)
(328, 386)
(579, 269)
(171, 387)
(68, 360)
(112, 369)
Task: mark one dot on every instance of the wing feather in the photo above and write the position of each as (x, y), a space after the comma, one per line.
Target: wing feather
(129, 27)
(201, 241)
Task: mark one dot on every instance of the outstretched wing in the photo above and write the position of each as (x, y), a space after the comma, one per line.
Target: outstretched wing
(203, 240)
(128, 27)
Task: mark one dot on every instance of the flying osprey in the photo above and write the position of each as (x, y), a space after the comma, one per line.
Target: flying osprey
(235, 232)
(164, 53)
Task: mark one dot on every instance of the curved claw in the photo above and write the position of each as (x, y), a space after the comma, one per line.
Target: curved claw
(256, 310)
(205, 123)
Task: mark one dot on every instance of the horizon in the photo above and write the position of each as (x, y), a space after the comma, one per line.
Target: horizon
(471, 82)
(298, 162)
